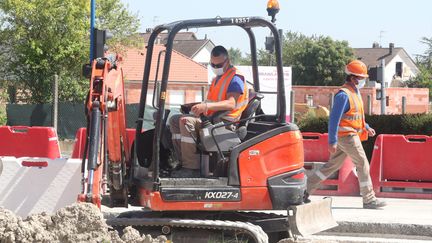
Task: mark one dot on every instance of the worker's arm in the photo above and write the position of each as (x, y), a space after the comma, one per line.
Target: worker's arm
(224, 105)
(235, 89)
(340, 106)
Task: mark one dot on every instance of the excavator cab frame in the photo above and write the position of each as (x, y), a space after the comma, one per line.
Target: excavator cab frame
(245, 23)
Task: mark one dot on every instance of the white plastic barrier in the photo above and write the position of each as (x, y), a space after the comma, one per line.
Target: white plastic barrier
(35, 185)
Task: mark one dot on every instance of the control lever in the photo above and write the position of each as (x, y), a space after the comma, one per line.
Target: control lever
(205, 121)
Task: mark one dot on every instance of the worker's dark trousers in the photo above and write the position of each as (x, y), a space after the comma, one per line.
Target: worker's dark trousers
(181, 127)
(347, 146)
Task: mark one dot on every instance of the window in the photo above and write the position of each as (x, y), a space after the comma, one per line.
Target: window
(176, 97)
(309, 100)
(198, 96)
(399, 69)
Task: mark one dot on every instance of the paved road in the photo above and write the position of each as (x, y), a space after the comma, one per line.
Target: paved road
(402, 220)
(402, 211)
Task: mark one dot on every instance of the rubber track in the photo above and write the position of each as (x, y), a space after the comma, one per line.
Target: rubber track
(253, 230)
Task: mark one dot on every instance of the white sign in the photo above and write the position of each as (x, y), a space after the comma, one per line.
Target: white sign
(268, 83)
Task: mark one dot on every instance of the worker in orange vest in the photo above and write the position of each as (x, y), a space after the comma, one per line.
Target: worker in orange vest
(347, 129)
(228, 92)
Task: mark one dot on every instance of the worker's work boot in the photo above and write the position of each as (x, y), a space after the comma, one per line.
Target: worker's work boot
(375, 204)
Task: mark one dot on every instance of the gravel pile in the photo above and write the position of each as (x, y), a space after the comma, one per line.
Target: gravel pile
(80, 222)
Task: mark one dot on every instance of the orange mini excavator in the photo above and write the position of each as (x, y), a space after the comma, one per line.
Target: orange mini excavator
(254, 168)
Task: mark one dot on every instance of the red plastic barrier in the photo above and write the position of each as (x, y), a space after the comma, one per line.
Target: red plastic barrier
(401, 166)
(79, 145)
(23, 141)
(315, 146)
(80, 140)
(343, 182)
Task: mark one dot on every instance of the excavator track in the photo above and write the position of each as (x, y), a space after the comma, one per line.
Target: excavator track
(254, 232)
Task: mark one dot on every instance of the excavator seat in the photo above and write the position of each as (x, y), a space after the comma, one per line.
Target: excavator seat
(251, 109)
(224, 139)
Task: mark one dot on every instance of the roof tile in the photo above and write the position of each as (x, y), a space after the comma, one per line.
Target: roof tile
(182, 68)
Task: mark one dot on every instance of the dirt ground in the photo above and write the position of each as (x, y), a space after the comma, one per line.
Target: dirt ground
(80, 222)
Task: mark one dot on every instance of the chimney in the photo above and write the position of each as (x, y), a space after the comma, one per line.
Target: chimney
(376, 45)
(391, 47)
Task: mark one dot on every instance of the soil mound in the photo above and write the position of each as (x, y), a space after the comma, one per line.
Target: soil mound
(80, 222)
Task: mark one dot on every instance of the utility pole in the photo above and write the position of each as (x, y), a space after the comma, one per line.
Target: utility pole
(55, 103)
(92, 23)
(383, 93)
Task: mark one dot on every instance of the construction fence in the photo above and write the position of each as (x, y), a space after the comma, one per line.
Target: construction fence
(71, 116)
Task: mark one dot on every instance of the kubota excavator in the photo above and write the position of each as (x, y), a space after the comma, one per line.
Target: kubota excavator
(256, 167)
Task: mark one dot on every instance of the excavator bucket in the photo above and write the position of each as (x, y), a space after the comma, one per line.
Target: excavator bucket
(311, 218)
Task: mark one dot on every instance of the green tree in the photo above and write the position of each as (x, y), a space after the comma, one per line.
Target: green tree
(316, 60)
(46, 37)
(235, 55)
(112, 15)
(426, 58)
(237, 58)
(263, 58)
(423, 78)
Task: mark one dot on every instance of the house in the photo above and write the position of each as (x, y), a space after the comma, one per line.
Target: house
(399, 66)
(188, 44)
(416, 99)
(186, 83)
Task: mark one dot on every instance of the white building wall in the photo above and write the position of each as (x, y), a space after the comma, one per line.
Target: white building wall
(203, 56)
(390, 70)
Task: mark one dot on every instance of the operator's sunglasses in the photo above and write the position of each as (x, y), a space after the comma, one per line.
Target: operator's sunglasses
(218, 65)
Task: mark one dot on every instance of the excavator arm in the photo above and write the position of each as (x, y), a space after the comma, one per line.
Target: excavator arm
(104, 164)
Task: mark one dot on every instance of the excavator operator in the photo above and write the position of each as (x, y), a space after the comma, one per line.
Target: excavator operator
(228, 92)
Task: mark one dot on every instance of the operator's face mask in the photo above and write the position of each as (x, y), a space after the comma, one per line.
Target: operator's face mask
(361, 82)
(218, 69)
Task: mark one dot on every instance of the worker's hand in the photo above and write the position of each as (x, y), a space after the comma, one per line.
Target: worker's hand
(371, 132)
(332, 148)
(199, 109)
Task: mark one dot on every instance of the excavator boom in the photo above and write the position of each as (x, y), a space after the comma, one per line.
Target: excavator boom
(105, 161)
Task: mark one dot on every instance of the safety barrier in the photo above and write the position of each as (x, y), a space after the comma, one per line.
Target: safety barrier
(343, 182)
(23, 141)
(35, 185)
(80, 140)
(401, 166)
(79, 145)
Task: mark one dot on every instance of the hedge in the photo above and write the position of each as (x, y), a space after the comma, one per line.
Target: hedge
(383, 124)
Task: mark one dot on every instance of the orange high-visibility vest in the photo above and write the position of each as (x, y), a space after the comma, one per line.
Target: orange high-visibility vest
(353, 121)
(218, 92)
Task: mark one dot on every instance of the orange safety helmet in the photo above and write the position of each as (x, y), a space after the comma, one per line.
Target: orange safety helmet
(357, 68)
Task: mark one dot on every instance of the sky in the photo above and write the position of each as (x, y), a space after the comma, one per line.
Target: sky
(361, 23)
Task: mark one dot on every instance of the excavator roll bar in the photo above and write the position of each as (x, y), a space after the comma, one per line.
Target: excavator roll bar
(246, 23)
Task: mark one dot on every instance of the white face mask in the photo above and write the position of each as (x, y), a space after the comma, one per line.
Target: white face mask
(361, 83)
(218, 71)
